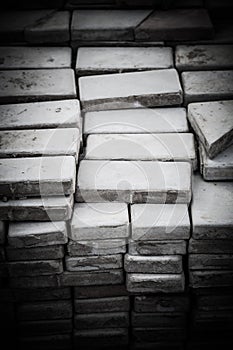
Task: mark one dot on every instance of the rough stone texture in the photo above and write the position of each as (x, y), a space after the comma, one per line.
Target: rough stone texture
(101, 60)
(183, 24)
(210, 246)
(36, 85)
(212, 221)
(37, 176)
(45, 327)
(210, 279)
(95, 292)
(133, 182)
(160, 222)
(204, 57)
(38, 234)
(102, 320)
(35, 268)
(37, 209)
(47, 342)
(38, 294)
(156, 264)
(100, 247)
(207, 85)
(148, 248)
(39, 253)
(106, 24)
(155, 283)
(130, 90)
(47, 142)
(213, 124)
(51, 281)
(177, 303)
(92, 278)
(219, 168)
(135, 121)
(2, 232)
(93, 221)
(59, 309)
(94, 263)
(34, 57)
(159, 319)
(101, 337)
(211, 262)
(162, 147)
(40, 115)
(100, 305)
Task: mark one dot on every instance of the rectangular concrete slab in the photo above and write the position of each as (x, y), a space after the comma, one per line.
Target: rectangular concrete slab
(36, 85)
(211, 261)
(95, 292)
(103, 320)
(133, 181)
(37, 234)
(103, 60)
(38, 253)
(203, 57)
(101, 337)
(93, 221)
(38, 209)
(213, 124)
(99, 305)
(38, 294)
(94, 263)
(34, 268)
(24, 57)
(209, 85)
(162, 303)
(37, 176)
(155, 264)
(212, 221)
(158, 222)
(210, 279)
(162, 147)
(50, 281)
(210, 246)
(130, 90)
(150, 248)
(170, 337)
(101, 25)
(160, 320)
(47, 342)
(99, 247)
(136, 121)
(49, 327)
(93, 278)
(40, 115)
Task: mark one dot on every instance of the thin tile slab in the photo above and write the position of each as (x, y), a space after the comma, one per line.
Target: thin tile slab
(53, 252)
(134, 181)
(211, 262)
(104, 337)
(211, 279)
(210, 246)
(131, 90)
(161, 303)
(96, 247)
(103, 320)
(94, 263)
(92, 278)
(99, 305)
(34, 268)
(151, 248)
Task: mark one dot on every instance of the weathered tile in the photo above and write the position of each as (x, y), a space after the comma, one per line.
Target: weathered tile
(213, 124)
(94, 292)
(23, 57)
(45, 327)
(103, 181)
(100, 305)
(136, 121)
(177, 303)
(212, 278)
(38, 209)
(101, 337)
(211, 261)
(36, 85)
(102, 320)
(37, 234)
(103, 60)
(160, 222)
(47, 342)
(39, 253)
(212, 85)
(37, 176)
(204, 57)
(148, 248)
(40, 115)
(212, 221)
(39, 294)
(46, 142)
(155, 283)
(92, 278)
(100, 247)
(154, 264)
(106, 24)
(167, 335)
(94, 263)
(93, 221)
(34, 268)
(162, 147)
(210, 246)
(35, 282)
(159, 319)
(182, 24)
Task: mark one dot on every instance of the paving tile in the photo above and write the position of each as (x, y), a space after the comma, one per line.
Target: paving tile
(36, 85)
(150, 248)
(94, 263)
(40, 115)
(23, 57)
(131, 90)
(210, 279)
(155, 264)
(162, 147)
(207, 85)
(101, 337)
(212, 221)
(203, 57)
(46, 142)
(177, 303)
(96, 292)
(37, 209)
(51, 281)
(103, 320)
(210, 246)
(101, 60)
(100, 305)
(158, 222)
(155, 283)
(99, 247)
(34, 268)
(93, 221)
(213, 124)
(103, 181)
(211, 262)
(93, 278)
(37, 176)
(182, 24)
(38, 294)
(136, 121)
(47, 327)
(37, 234)
(106, 24)
(161, 320)
(38, 253)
